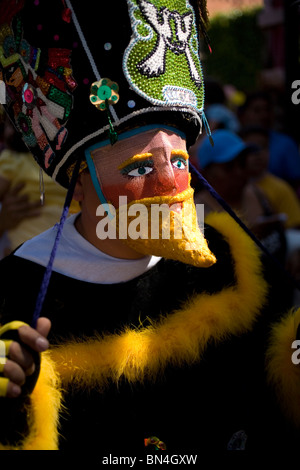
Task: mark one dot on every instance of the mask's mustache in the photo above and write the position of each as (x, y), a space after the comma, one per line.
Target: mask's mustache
(162, 231)
(169, 200)
(158, 214)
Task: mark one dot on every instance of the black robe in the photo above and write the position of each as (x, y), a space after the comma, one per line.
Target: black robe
(213, 400)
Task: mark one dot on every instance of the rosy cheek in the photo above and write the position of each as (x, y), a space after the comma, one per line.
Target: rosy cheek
(133, 189)
(138, 188)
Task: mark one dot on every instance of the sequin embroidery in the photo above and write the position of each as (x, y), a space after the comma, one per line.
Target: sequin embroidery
(164, 48)
(39, 103)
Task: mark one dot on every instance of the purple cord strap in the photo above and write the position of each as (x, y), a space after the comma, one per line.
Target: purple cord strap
(46, 279)
(228, 209)
(225, 206)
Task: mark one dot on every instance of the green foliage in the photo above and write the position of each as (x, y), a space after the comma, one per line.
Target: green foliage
(237, 44)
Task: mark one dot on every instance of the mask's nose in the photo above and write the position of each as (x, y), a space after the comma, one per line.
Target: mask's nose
(166, 181)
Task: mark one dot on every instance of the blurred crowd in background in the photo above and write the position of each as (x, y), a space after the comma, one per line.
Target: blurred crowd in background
(255, 168)
(31, 201)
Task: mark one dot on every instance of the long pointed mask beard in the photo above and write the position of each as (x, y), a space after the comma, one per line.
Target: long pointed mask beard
(165, 226)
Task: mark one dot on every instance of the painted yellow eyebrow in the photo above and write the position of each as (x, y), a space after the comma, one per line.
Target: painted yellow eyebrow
(144, 156)
(135, 158)
(181, 153)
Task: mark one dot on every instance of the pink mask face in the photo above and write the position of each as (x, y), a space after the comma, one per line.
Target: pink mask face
(153, 163)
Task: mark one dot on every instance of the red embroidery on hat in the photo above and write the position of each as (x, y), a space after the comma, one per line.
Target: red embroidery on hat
(66, 14)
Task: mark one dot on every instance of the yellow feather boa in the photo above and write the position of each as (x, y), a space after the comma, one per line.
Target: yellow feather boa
(283, 374)
(43, 411)
(178, 338)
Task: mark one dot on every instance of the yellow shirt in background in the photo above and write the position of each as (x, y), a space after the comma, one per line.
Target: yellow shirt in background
(282, 197)
(21, 167)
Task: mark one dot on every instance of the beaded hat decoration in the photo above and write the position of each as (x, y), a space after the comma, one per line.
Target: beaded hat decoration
(77, 76)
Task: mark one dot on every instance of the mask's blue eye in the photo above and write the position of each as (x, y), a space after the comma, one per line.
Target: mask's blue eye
(141, 171)
(179, 163)
(139, 168)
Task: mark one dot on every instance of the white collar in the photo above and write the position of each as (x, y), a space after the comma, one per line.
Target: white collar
(79, 259)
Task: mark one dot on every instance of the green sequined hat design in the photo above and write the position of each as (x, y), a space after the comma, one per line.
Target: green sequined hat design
(161, 62)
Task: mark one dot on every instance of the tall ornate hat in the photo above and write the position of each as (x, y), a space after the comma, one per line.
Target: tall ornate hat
(77, 73)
